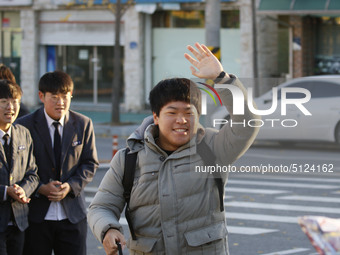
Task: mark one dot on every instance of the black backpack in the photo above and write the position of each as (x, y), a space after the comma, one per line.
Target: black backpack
(129, 171)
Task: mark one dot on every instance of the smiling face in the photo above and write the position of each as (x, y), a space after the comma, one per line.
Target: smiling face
(9, 109)
(10, 95)
(177, 122)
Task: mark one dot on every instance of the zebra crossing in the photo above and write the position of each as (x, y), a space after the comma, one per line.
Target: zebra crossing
(273, 203)
(262, 211)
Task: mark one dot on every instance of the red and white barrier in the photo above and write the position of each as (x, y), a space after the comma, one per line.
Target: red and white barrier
(114, 144)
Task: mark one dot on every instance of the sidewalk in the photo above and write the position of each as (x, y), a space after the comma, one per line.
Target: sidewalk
(102, 127)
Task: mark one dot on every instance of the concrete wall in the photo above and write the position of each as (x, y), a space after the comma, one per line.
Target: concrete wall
(133, 61)
(303, 56)
(43, 14)
(29, 58)
(134, 50)
(247, 70)
(267, 48)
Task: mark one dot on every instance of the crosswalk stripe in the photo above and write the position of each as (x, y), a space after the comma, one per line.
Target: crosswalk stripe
(291, 157)
(279, 178)
(260, 191)
(104, 165)
(231, 229)
(283, 207)
(228, 189)
(286, 252)
(256, 191)
(279, 184)
(91, 189)
(89, 199)
(261, 217)
(312, 198)
(249, 231)
(228, 197)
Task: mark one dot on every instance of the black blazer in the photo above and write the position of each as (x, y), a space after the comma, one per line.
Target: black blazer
(78, 161)
(23, 172)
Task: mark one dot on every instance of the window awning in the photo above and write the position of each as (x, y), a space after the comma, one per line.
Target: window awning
(299, 7)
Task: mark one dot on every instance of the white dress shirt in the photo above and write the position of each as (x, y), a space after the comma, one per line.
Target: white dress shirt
(56, 210)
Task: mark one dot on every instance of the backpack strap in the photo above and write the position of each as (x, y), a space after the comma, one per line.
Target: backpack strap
(129, 173)
(209, 160)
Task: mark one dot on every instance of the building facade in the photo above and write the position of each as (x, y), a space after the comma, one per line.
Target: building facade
(43, 35)
(309, 32)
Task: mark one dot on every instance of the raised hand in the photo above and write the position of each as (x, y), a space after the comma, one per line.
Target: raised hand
(209, 67)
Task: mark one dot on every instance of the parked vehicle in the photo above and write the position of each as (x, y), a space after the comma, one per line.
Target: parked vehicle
(324, 105)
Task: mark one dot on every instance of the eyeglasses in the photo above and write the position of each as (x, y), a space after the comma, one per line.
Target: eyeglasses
(4, 103)
(55, 98)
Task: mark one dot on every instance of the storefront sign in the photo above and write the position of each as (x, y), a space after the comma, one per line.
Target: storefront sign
(15, 2)
(5, 22)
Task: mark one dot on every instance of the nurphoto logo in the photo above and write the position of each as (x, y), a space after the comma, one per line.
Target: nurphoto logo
(238, 104)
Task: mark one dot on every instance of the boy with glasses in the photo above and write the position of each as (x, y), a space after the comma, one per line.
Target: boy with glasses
(6, 74)
(67, 159)
(18, 171)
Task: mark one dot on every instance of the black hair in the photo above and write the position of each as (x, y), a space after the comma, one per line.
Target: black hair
(56, 82)
(175, 89)
(9, 89)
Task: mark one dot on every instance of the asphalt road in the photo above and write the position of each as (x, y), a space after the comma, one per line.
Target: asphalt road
(262, 207)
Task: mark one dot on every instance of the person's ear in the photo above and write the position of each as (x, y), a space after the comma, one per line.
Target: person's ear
(41, 97)
(155, 118)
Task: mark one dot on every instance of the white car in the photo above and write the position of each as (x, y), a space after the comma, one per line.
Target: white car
(324, 106)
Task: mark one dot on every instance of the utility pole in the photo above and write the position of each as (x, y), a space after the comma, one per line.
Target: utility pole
(116, 85)
(212, 26)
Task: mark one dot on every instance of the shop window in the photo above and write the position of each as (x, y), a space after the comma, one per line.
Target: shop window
(230, 19)
(327, 59)
(193, 19)
(91, 69)
(10, 41)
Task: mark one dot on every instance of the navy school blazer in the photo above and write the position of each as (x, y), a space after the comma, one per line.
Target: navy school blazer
(78, 161)
(23, 172)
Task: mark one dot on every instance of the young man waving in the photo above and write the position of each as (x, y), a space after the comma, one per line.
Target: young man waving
(173, 212)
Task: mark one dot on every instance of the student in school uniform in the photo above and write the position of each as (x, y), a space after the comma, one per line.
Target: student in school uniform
(66, 156)
(18, 171)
